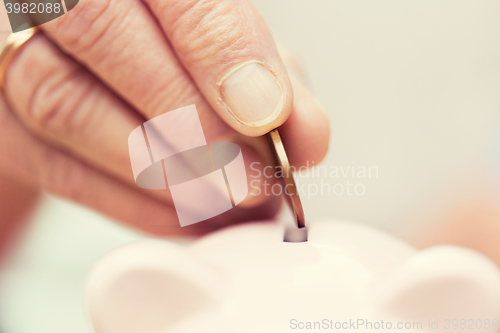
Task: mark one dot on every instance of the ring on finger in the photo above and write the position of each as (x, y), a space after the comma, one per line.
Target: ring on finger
(10, 47)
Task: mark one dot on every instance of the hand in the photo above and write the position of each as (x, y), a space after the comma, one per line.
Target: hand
(75, 92)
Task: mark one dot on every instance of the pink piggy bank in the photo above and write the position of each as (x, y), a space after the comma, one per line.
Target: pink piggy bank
(346, 277)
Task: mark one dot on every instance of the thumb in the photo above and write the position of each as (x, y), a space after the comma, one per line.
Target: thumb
(229, 52)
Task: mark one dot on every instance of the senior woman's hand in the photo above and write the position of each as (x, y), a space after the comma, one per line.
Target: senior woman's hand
(74, 93)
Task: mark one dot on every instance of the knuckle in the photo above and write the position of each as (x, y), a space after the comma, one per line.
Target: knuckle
(52, 111)
(86, 27)
(51, 93)
(211, 29)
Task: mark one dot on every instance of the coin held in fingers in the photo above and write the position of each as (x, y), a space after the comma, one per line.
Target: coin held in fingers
(290, 190)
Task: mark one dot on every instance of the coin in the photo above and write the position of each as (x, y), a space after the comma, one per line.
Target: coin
(290, 189)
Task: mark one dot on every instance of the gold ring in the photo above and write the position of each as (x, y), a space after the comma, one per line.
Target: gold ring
(10, 47)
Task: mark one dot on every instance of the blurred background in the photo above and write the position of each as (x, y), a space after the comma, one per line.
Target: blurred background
(411, 88)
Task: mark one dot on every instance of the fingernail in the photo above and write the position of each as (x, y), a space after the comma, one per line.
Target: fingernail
(252, 94)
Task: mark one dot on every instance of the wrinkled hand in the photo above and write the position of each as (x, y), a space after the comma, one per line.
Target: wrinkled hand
(75, 92)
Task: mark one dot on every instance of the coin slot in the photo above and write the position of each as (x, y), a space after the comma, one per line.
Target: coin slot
(295, 235)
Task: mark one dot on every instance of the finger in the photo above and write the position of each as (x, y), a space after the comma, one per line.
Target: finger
(307, 129)
(136, 61)
(228, 50)
(34, 162)
(27, 159)
(121, 43)
(67, 106)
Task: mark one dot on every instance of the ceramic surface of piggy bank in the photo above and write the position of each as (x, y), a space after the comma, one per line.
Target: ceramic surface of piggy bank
(346, 277)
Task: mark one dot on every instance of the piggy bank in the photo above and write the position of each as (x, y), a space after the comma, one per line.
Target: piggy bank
(245, 278)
